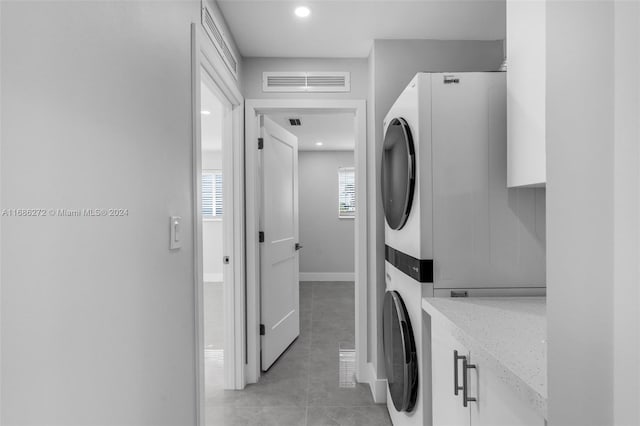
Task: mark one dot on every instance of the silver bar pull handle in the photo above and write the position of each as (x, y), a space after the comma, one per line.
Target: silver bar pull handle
(456, 358)
(465, 383)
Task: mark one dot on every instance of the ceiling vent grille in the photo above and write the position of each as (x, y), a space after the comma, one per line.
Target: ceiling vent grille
(306, 82)
(295, 122)
(217, 36)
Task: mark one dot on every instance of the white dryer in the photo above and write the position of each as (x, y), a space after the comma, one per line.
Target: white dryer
(405, 173)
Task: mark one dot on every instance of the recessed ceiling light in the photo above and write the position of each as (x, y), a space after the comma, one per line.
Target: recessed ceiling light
(319, 143)
(302, 11)
(204, 112)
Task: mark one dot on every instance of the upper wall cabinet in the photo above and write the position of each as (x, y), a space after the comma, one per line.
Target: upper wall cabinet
(526, 85)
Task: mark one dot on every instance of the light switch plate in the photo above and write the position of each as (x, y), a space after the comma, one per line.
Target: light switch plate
(175, 233)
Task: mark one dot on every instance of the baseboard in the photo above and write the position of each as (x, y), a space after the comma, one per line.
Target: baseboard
(212, 278)
(378, 386)
(327, 276)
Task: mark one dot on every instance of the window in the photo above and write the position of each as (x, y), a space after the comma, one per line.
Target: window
(212, 194)
(346, 192)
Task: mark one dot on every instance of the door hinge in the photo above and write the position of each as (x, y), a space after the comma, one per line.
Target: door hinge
(260, 143)
(261, 237)
(262, 329)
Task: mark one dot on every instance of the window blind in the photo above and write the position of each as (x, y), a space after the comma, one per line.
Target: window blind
(212, 194)
(346, 192)
(218, 194)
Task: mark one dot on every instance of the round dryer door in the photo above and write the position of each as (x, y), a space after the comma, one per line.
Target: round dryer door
(398, 173)
(401, 360)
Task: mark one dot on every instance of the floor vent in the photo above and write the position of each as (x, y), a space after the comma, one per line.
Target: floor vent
(295, 122)
(306, 82)
(215, 33)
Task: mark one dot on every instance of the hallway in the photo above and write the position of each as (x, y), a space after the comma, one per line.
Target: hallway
(312, 383)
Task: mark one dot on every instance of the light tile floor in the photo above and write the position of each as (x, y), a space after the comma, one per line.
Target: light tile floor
(312, 383)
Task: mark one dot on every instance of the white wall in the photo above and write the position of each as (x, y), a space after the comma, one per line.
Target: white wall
(254, 67)
(97, 314)
(212, 229)
(393, 63)
(329, 242)
(592, 212)
(626, 379)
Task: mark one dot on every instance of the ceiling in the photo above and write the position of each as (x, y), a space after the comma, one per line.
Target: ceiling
(335, 131)
(210, 124)
(347, 28)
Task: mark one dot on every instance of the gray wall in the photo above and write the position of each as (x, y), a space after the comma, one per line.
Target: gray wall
(592, 212)
(391, 66)
(328, 241)
(254, 67)
(97, 315)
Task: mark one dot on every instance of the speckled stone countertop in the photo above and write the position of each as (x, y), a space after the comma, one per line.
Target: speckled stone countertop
(507, 334)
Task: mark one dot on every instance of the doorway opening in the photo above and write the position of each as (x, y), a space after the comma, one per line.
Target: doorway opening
(214, 128)
(218, 209)
(326, 183)
(334, 273)
(327, 210)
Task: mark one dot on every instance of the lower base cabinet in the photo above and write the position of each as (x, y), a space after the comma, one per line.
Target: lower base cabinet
(466, 394)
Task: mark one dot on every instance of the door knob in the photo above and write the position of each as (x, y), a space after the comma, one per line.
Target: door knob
(298, 246)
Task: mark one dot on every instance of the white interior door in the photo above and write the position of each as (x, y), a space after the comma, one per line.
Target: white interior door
(279, 263)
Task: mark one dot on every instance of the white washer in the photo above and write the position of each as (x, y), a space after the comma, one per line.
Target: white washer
(415, 384)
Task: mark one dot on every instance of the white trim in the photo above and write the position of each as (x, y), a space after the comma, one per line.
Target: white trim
(222, 43)
(378, 386)
(0, 240)
(327, 276)
(252, 109)
(204, 56)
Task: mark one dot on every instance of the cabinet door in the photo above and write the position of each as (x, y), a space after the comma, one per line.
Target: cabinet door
(496, 404)
(447, 407)
(526, 87)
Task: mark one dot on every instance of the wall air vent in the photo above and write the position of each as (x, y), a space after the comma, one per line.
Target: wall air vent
(306, 82)
(295, 122)
(217, 36)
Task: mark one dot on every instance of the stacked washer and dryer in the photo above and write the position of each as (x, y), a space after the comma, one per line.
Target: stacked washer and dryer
(453, 228)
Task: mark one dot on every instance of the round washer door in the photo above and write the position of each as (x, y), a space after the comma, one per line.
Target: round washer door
(398, 173)
(401, 360)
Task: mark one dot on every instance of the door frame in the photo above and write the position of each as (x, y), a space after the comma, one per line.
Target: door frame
(254, 108)
(205, 57)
